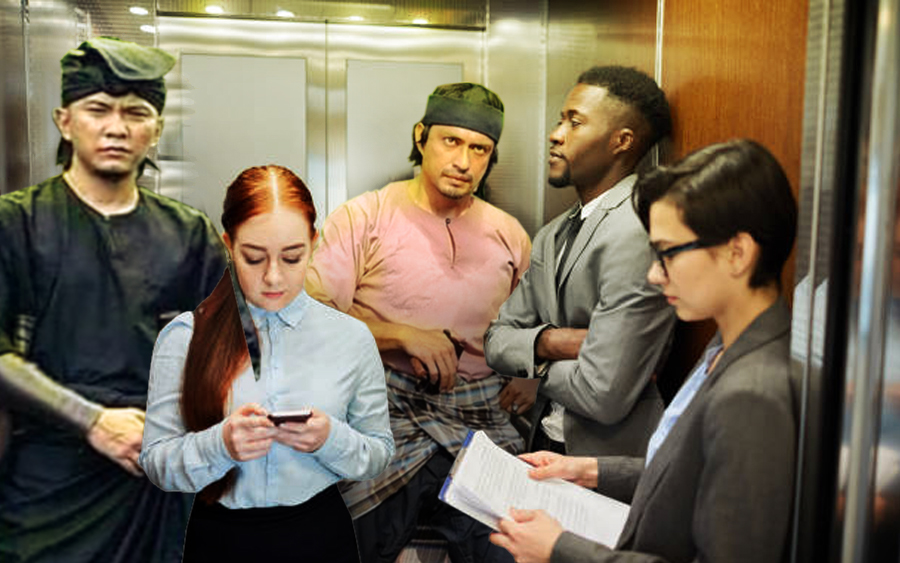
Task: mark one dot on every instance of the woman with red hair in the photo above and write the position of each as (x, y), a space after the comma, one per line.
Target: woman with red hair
(266, 491)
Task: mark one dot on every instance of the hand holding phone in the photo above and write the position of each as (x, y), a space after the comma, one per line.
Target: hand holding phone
(304, 430)
(301, 416)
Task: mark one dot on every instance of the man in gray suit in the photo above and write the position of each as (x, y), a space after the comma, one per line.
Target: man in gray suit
(584, 319)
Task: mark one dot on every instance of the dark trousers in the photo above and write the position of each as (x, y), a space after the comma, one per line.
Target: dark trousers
(544, 442)
(319, 530)
(384, 531)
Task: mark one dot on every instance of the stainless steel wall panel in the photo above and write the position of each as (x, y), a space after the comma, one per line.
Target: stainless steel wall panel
(383, 99)
(263, 42)
(51, 30)
(14, 149)
(469, 14)
(516, 63)
(870, 441)
(397, 45)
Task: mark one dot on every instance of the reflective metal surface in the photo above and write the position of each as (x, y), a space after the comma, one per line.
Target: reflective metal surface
(397, 47)
(258, 98)
(516, 63)
(874, 435)
(14, 155)
(819, 369)
(470, 14)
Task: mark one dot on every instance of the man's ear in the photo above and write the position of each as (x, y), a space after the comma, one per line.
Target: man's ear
(622, 141)
(62, 117)
(418, 134)
(159, 128)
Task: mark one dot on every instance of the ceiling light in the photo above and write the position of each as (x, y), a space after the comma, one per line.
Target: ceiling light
(138, 11)
(420, 21)
(284, 14)
(356, 18)
(216, 10)
(148, 29)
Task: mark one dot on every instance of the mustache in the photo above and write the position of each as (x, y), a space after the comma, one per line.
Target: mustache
(458, 176)
(558, 154)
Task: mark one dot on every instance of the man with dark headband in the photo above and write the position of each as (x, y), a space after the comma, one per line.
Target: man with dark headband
(585, 321)
(426, 264)
(91, 268)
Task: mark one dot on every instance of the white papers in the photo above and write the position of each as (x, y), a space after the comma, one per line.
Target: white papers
(487, 481)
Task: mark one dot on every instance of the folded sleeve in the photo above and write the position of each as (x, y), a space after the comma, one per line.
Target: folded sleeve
(362, 446)
(172, 458)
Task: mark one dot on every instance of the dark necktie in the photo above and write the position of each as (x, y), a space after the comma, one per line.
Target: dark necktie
(565, 239)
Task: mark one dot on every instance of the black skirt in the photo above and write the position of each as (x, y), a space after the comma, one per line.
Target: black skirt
(319, 530)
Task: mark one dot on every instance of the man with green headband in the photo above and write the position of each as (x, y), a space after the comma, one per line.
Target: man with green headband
(427, 264)
(91, 268)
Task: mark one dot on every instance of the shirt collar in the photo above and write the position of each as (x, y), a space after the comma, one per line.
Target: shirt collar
(291, 314)
(611, 197)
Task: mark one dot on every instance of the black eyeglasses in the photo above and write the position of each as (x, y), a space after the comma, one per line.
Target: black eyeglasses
(663, 255)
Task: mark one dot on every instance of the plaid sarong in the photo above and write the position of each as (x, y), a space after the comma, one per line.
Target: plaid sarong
(421, 423)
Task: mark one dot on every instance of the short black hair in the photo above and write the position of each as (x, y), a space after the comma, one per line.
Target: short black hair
(726, 189)
(636, 89)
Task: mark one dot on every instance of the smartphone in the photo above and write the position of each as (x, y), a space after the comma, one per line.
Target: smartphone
(290, 416)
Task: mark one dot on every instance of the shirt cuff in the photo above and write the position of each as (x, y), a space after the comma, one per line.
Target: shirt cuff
(335, 444)
(211, 444)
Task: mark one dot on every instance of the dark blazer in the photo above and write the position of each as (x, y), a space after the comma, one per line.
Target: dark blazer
(612, 406)
(719, 488)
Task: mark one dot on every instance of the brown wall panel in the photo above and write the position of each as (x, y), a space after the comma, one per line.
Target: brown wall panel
(733, 68)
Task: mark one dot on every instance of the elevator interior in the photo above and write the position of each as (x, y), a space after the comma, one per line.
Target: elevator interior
(332, 90)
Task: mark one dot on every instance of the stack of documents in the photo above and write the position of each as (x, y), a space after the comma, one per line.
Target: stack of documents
(486, 481)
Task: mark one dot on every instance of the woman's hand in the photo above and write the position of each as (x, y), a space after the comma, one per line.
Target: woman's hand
(529, 536)
(248, 433)
(579, 470)
(305, 436)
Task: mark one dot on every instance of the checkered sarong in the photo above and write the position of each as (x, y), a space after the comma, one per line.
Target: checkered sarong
(422, 423)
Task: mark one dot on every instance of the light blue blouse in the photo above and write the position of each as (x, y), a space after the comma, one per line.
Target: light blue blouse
(312, 356)
(681, 401)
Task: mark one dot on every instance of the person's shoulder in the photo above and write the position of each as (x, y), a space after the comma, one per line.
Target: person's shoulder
(763, 372)
(374, 199)
(338, 321)
(371, 210)
(176, 335)
(176, 210)
(503, 220)
(16, 207)
(29, 197)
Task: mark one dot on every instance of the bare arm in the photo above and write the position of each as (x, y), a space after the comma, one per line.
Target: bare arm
(431, 352)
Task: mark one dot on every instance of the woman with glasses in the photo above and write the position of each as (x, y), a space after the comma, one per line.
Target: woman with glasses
(716, 482)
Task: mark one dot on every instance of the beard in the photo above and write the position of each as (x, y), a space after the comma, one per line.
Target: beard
(114, 175)
(563, 180)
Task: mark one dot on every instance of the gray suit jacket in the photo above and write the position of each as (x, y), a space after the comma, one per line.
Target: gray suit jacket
(719, 488)
(612, 406)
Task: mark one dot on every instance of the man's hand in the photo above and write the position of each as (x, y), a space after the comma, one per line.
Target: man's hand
(579, 470)
(529, 536)
(248, 433)
(559, 343)
(117, 434)
(305, 436)
(432, 355)
(518, 395)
